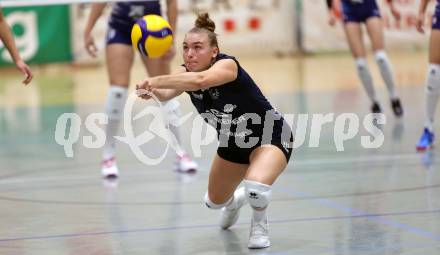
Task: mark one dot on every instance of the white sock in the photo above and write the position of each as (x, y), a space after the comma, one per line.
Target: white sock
(432, 94)
(239, 199)
(114, 108)
(365, 77)
(172, 111)
(259, 215)
(386, 72)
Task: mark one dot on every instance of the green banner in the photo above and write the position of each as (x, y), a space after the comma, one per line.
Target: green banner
(42, 33)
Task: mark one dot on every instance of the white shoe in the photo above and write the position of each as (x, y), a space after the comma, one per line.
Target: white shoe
(259, 235)
(230, 216)
(186, 165)
(109, 169)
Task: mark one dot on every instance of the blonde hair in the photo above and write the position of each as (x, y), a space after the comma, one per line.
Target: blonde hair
(204, 24)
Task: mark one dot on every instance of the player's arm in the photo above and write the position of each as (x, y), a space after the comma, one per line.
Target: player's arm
(421, 15)
(164, 94)
(331, 13)
(172, 14)
(394, 11)
(221, 72)
(89, 41)
(329, 5)
(8, 40)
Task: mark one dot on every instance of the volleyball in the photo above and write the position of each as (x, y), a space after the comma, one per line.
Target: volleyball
(152, 36)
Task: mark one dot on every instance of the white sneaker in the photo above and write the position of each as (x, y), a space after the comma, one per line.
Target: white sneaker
(230, 216)
(186, 165)
(109, 169)
(259, 235)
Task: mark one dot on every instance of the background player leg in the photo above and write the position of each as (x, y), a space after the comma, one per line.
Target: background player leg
(353, 31)
(375, 31)
(267, 163)
(432, 92)
(119, 58)
(161, 66)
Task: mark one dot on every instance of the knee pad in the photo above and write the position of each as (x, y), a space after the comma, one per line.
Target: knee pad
(361, 64)
(116, 98)
(257, 194)
(433, 82)
(214, 206)
(171, 111)
(381, 56)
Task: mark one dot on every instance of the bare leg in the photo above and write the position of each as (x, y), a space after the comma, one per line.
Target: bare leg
(353, 32)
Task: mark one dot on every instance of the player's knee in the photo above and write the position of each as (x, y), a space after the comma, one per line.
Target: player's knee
(361, 64)
(116, 98)
(381, 56)
(433, 83)
(215, 206)
(258, 194)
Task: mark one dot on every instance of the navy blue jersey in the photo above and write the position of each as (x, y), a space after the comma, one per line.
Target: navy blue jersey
(436, 17)
(359, 10)
(228, 108)
(124, 16)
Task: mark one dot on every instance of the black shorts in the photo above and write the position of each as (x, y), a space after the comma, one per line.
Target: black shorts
(239, 155)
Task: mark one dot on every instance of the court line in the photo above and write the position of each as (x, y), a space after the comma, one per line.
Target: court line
(375, 217)
(293, 163)
(171, 203)
(172, 228)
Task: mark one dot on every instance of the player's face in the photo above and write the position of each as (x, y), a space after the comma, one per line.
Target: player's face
(198, 54)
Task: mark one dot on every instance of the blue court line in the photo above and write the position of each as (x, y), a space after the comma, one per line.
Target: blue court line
(374, 217)
(172, 228)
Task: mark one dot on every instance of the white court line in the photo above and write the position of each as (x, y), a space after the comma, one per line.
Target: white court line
(319, 161)
(296, 163)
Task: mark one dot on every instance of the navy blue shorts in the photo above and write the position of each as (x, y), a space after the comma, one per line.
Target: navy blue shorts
(235, 154)
(360, 12)
(124, 15)
(436, 18)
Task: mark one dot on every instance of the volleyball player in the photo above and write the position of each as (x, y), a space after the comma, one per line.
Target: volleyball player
(358, 12)
(255, 141)
(433, 77)
(8, 40)
(119, 58)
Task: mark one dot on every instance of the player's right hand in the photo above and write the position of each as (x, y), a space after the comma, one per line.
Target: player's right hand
(142, 92)
(26, 70)
(420, 23)
(89, 44)
(332, 19)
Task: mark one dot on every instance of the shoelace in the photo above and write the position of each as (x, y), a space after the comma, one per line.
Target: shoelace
(259, 228)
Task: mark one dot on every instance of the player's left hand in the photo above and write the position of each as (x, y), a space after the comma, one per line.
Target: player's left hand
(26, 70)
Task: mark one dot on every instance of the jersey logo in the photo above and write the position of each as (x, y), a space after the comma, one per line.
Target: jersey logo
(197, 96)
(136, 12)
(214, 93)
(228, 108)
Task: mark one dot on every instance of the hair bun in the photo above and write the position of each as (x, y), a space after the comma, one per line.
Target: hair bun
(203, 21)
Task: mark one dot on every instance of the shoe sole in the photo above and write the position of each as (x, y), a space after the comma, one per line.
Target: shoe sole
(189, 171)
(259, 247)
(110, 176)
(233, 222)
